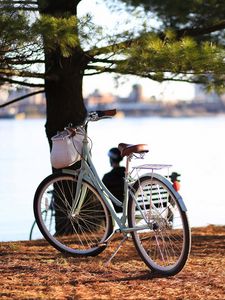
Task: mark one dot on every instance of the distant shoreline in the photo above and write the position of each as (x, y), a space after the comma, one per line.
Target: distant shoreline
(121, 114)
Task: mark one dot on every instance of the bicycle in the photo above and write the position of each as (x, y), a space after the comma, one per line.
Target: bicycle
(34, 233)
(84, 219)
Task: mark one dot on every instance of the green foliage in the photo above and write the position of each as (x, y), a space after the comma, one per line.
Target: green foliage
(179, 14)
(14, 30)
(183, 60)
(17, 43)
(187, 42)
(58, 32)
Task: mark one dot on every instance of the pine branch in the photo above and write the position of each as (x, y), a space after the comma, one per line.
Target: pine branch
(191, 32)
(23, 83)
(189, 77)
(21, 98)
(21, 5)
(18, 73)
(113, 48)
(19, 2)
(194, 32)
(29, 8)
(22, 62)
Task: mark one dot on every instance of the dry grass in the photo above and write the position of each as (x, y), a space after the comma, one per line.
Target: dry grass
(31, 270)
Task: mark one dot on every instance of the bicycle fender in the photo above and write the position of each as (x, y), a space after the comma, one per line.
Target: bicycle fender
(170, 187)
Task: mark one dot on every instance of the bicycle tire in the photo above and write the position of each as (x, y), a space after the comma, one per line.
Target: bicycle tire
(164, 244)
(80, 233)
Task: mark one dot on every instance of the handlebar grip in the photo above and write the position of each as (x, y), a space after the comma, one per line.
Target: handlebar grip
(105, 113)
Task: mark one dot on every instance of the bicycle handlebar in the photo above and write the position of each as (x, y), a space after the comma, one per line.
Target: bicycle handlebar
(108, 113)
(95, 116)
(100, 114)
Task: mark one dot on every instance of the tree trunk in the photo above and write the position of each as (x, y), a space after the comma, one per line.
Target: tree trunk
(63, 87)
(63, 82)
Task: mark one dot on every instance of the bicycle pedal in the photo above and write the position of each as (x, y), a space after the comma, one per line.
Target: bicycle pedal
(102, 244)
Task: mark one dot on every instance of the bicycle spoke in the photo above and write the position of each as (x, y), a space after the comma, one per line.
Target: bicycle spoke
(164, 246)
(76, 232)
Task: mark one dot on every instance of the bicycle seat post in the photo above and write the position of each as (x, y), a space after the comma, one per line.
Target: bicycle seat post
(126, 190)
(128, 159)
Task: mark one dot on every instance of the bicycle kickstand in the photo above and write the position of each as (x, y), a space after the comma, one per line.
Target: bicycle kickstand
(117, 249)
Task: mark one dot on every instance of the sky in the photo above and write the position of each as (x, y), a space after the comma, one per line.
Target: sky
(105, 83)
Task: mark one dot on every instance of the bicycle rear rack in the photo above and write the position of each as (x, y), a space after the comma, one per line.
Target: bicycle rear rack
(153, 166)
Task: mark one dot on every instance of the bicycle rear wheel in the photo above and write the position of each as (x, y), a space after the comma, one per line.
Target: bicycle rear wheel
(163, 240)
(78, 232)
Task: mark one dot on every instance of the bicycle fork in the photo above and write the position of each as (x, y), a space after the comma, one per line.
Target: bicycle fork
(79, 196)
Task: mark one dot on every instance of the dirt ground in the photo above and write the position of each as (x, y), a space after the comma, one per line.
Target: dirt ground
(31, 270)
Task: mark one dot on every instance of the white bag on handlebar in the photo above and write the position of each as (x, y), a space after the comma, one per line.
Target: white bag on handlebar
(66, 148)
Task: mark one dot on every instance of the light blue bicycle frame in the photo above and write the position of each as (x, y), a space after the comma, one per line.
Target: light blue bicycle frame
(88, 173)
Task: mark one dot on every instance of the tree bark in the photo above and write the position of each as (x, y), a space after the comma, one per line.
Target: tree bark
(63, 88)
(63, 76)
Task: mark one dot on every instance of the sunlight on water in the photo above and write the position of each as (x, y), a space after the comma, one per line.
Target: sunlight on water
(194, 146)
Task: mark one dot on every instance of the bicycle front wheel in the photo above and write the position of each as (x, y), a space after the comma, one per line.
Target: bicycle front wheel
(161, 231)
(79, 231)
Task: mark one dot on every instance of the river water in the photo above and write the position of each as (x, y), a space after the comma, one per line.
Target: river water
(194, 146)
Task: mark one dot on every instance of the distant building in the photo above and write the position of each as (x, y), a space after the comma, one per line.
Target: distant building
(38, 99)
(96, 98)
(202, 95)
(211, 102)
(31, 106)
(136, 95)
(4, 93)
